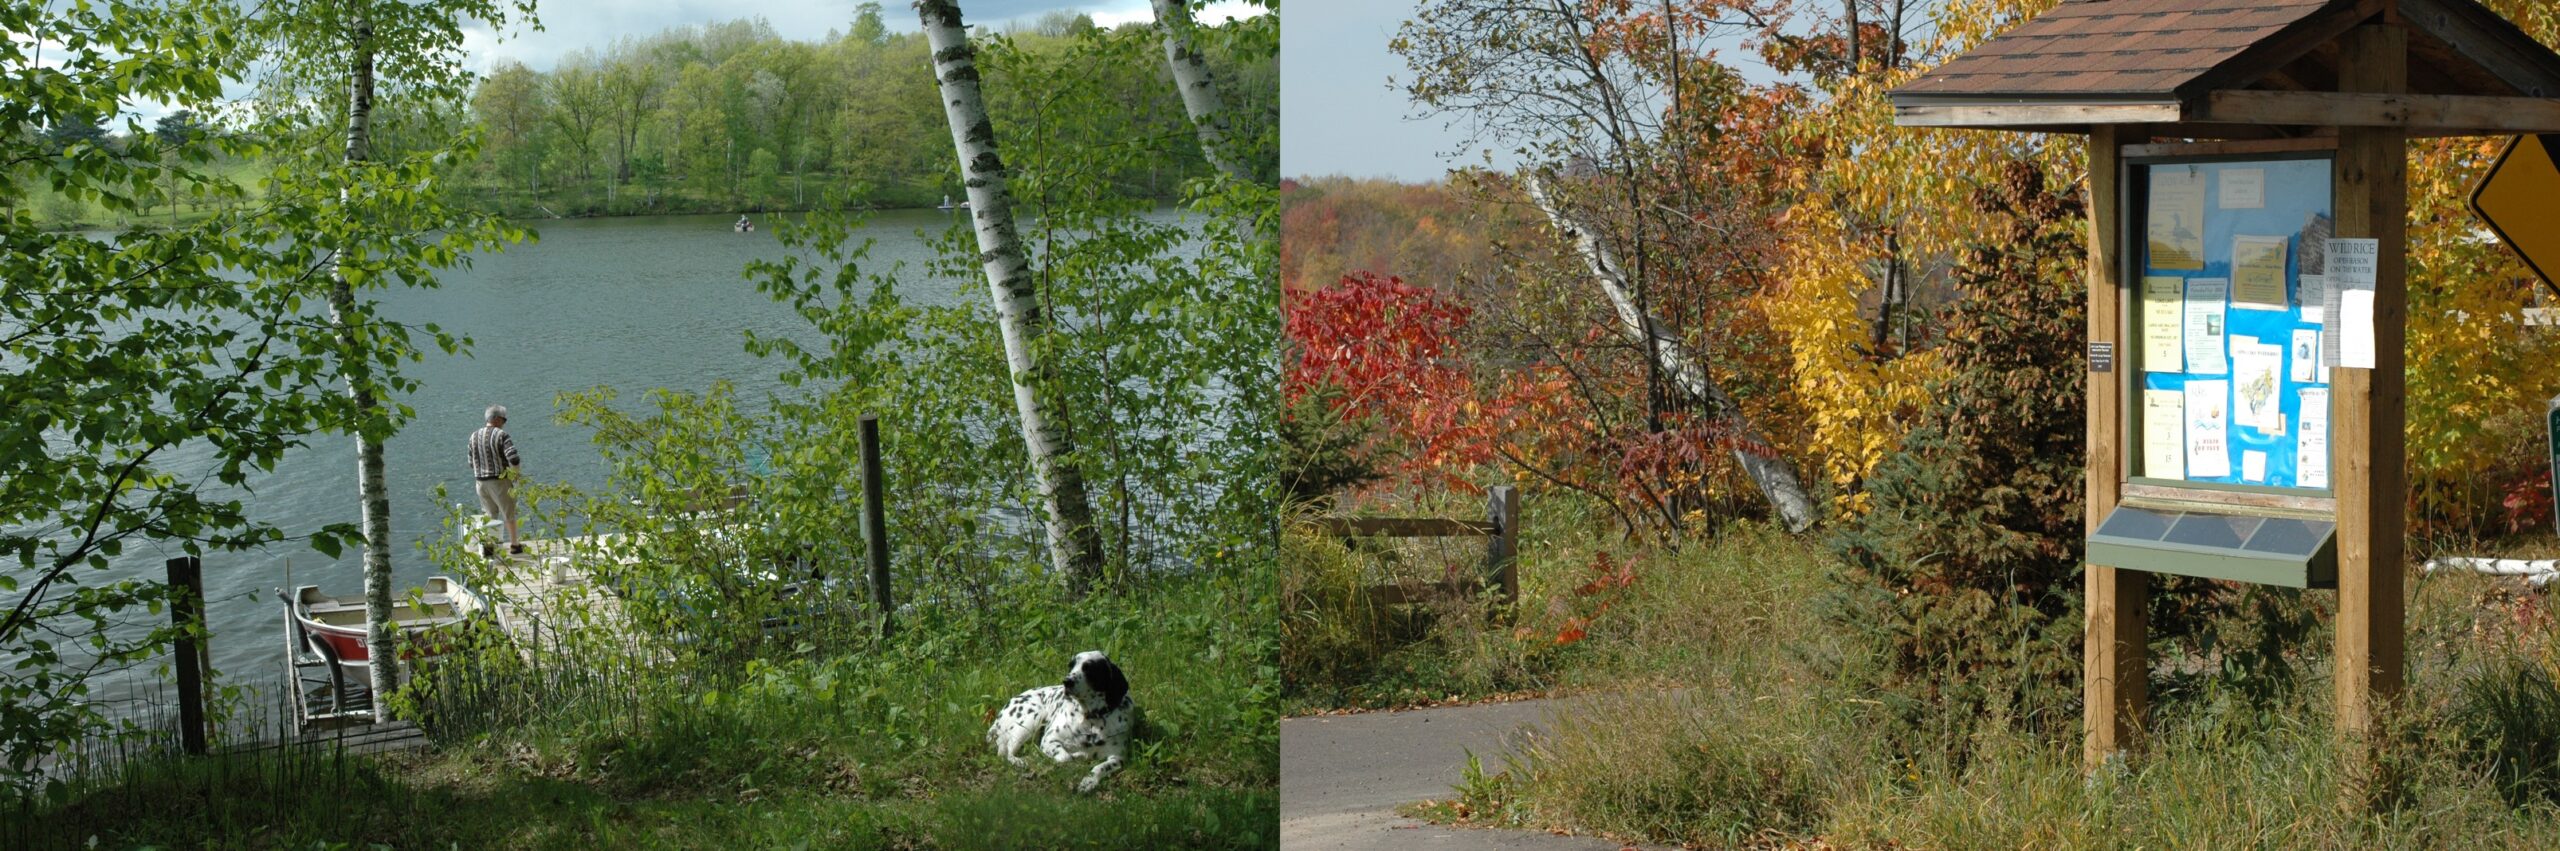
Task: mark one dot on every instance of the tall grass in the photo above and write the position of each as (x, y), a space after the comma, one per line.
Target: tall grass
(1341, 649)
(1737, 722)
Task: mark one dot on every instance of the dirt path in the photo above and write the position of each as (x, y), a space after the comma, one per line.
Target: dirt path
(1342, 776)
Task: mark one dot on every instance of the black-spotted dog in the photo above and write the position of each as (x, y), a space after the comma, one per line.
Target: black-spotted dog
(1088, 716)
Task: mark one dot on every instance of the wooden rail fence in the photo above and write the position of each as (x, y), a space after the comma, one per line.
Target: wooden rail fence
(1500, 529)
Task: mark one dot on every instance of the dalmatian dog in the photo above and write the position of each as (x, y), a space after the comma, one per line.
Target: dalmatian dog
(1088, 716)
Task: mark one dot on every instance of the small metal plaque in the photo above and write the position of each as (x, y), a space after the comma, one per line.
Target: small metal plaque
(2102, 357)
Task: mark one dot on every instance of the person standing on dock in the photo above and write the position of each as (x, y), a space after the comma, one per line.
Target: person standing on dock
(494, 469)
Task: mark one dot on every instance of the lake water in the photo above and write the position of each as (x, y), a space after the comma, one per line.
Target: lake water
(634, 303)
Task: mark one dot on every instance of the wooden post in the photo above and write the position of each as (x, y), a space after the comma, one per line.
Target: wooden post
(1502, 548)
(186, 612)
(2115, 671)
(875, 522)
(2368, 406)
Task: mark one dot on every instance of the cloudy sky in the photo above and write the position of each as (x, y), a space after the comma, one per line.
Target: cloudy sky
(1337, 113)
(569, 25)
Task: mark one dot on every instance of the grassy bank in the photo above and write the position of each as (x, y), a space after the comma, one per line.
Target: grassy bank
(1581, 625)
(861, 744)
(1732, 715)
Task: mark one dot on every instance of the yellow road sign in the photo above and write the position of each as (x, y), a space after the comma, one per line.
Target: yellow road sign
(2520, 199)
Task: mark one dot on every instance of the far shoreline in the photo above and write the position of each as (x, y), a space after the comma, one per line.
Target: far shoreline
(194, 217)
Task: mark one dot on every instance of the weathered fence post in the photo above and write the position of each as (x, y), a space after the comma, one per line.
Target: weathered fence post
(875, 521)
(186, 612)
(1502, 548)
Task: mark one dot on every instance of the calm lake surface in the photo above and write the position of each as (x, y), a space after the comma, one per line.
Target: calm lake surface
(632, 303)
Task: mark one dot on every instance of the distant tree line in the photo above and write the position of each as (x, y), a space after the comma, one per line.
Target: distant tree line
(736, 116)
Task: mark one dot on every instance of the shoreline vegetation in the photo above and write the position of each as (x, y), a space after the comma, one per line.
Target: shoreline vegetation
(53, 215)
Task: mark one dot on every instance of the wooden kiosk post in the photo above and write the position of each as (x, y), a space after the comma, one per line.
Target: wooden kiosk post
(2247, 261)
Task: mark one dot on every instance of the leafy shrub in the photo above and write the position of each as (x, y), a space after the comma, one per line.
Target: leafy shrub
(1966, 571)
(1320, 448)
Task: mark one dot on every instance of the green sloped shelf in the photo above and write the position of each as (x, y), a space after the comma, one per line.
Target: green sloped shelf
(2286, 551)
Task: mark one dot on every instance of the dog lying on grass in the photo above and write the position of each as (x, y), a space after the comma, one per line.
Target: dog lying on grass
(1089, 716)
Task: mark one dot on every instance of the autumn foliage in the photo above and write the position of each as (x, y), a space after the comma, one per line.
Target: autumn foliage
(1807, 248)
(1388, 349)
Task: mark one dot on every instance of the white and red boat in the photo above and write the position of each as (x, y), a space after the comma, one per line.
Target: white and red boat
(337, 623)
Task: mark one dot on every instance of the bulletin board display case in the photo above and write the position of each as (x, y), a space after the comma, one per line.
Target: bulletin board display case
(2229, 317)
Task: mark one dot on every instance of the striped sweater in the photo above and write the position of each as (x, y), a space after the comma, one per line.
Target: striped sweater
(492, 452)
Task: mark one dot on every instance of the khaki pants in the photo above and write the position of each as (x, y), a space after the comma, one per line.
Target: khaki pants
(498, 499)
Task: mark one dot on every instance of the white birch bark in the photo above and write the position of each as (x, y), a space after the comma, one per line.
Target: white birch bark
(376, 497)
(1199, 89)
(1686, 370)
(1075, 546)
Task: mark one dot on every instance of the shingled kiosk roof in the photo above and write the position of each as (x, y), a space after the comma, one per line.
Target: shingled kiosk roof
(2240, 69)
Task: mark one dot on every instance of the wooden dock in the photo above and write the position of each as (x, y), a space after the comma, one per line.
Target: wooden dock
(547, 594)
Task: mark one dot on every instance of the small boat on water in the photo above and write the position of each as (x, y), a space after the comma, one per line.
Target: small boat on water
(948, 206)
(336, 624)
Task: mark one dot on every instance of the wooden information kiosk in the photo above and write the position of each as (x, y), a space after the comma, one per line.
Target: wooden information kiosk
(2247, 262)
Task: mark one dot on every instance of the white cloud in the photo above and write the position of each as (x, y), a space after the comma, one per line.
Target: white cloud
(1142, 13)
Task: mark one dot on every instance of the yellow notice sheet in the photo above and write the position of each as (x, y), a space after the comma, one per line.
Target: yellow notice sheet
(2164, 434)
(2163, 320)
(2177, 217)
(2257, 272)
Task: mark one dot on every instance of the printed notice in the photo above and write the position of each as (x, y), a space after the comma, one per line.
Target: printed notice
(2243, 189)
(2253, 466)
(2208, 430)
(2164, 434)
(2177, 217)
(2257, 272)
(2161, 321)
(2204, 321)
(2311, 450)
(2256, 372)
(2305, 361)
(2313, 296)
(2351, 274)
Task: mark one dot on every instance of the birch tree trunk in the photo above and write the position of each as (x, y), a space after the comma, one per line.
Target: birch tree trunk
(1199, 88)
(1075, 546)
(379, 634)
(1776, 479)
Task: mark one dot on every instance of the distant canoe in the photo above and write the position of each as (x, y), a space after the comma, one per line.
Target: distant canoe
(947, 206)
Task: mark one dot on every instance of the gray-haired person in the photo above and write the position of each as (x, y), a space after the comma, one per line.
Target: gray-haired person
(494, 470)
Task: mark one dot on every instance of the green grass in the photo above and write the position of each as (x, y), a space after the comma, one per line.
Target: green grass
(1726, 717)
(877, 746)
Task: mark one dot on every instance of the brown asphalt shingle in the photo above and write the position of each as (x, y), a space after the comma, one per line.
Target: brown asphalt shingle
(2112, 48)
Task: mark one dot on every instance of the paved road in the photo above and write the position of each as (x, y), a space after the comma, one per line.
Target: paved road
(1342, 776)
